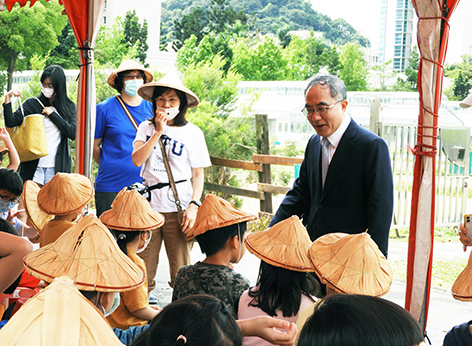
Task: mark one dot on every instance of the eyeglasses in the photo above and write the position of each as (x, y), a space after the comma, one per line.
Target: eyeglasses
(173, 101)
(8, 199)
(46, 86)
(319, 110)
(132, 76)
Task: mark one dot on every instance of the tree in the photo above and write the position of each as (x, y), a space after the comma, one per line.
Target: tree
(353, 69)
(383, 73)
(109, 50)
(135, 35)
(411, 72)
(26, 31)
(194, 23)
(462, 86)
(65, 53)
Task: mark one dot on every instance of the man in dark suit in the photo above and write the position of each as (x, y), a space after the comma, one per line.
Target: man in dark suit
(356, 192)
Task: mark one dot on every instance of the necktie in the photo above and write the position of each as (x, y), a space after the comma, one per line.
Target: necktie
(324, 159)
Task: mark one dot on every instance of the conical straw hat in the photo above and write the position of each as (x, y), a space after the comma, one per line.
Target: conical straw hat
(38, 218)
(351, 263)
(89, 255)
(170, 80)
(215, 212)
(58, 315)
(130, 211)
(285, 245)
(462, 287)
(65, 193)
(128, 65)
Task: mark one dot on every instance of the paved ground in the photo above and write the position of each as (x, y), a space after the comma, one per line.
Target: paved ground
(445, 311)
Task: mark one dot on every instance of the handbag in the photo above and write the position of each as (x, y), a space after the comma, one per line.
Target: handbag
(29, 138)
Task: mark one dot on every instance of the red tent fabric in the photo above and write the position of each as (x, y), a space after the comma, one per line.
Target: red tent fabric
(433, 33)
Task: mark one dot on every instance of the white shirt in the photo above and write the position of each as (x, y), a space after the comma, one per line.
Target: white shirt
(186, 149)
(53, 139)
(335, 138)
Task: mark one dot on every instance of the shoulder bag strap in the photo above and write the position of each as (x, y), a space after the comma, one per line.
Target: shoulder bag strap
(21, 106)
(171, 177)
(127, 112)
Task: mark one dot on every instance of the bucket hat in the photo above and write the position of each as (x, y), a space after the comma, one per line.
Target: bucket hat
(467, 102)
(172, 81)
(462, 287)
(215, 212)
(284, 245)
(351, 263)
(128, 65)
(58, 315)
(130, 211)
(89, 255)
(65, 193)
(37, 217)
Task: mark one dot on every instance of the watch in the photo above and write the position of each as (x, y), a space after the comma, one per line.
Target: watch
(197, 203)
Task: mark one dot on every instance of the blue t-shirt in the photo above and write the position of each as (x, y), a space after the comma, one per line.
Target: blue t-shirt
(116, 169)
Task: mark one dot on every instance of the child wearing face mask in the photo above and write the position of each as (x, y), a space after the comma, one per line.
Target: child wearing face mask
(64, 196)
(59, 121)
(131, 220)
(11, 187)
(219, 230)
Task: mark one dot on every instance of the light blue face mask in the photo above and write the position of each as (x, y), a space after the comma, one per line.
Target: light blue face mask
(6, 205)
(115, 305)
(132, 86)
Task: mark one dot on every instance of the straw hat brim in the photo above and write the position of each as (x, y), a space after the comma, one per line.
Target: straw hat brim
(146, 91)
(112, 77)
(462, 287)
(130, 211)
(215, 212)
(89, 255)
(59, 315)
(284, 245)
(467, 102)
(37, 217)
(351, 263)
(65, 193)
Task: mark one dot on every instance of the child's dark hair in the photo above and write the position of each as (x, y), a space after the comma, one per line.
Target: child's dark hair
(11, 181)
(214, 240)
(359, 320)
(123, 238)
(281, 289)
(7, 227)
(196, 320)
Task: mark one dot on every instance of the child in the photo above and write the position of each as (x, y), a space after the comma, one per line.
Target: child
(35, 216)
(197, 320)
(11, 187)
(58, 315)
(283, 287)
(219, 230)
(360, 320)
(349, 264)
(64, 196)
(10, 148)
(131, 220)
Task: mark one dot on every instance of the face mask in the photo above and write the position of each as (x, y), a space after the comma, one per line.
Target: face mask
(115, 305)
(132, 86)
(5, 206)
(146, 243)
(172, 112)
(47, 92)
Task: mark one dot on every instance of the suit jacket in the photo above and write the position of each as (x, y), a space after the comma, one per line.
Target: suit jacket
(358, 192)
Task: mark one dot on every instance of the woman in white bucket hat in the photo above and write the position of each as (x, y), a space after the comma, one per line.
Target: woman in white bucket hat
(187, 154)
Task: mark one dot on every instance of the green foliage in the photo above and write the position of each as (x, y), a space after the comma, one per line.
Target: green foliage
(135, 35)
(33, 87)
(209, 82)
(411, 71)
(383, 73)
(462, 75)
(353, 67)
(263, 61)
(109, 50)
(26, 31)
(256, 16)
(65, 53)
(462, 86)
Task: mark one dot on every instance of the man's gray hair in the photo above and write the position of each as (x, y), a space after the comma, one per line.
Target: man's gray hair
(336, 85)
